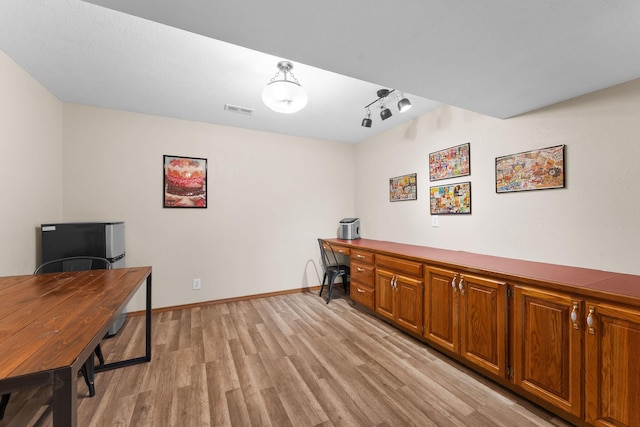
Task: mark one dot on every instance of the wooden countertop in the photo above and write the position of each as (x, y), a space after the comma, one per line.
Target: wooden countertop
(624, 288)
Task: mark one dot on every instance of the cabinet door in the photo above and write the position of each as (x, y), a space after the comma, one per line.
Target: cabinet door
(483, 322)
(441, 309)
(612, 367)
(409, 303)
(548, 347)
(385, 294)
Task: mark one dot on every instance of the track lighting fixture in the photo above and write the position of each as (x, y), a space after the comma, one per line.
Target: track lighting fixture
(284, 95)
(403, 105)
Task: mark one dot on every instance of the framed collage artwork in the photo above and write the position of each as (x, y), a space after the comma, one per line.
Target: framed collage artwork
(531, 170)
(450, 199)
(450, 162)
(403, 188)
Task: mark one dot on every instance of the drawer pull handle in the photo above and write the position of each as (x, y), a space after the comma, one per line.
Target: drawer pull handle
(574, 316)
(590, 320)
(360, 270)
(360, 256)
(360, 290)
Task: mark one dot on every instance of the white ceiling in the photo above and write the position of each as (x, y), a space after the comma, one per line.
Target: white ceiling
(188, 58)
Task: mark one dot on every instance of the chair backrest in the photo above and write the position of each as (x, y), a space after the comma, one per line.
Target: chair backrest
(329, 257)
(75, 263)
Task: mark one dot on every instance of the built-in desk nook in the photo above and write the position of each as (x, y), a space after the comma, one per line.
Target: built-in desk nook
(567, 338)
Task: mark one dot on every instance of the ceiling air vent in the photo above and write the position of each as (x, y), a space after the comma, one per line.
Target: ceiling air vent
(236, 109)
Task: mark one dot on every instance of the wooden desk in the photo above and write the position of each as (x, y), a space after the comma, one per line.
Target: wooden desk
(51, 323)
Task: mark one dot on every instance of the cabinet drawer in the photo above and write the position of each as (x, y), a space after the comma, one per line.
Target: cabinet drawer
(362, 273)
(338, 249)
(400, 265)
(362, 256)
(362, 294)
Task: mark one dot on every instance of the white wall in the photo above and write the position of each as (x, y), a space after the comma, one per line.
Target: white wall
(271, 195)
(269, 198)
(593, 222)
(30, 166)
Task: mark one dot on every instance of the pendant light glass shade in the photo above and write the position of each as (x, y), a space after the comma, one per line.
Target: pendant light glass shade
(284, 96)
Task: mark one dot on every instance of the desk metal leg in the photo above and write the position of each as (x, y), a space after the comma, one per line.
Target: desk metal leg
(148, 321)
(65, 398)
(147, 356)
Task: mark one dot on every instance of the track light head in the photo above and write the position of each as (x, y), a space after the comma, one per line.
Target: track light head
(366, 122)
(404, 104)
(385, 113)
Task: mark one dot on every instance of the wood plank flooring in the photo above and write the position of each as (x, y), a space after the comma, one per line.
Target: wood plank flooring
(288, 360)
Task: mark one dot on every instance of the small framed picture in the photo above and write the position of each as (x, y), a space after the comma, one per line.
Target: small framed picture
(184, 182)
(450, 199)
(403, 188)
(450, 162)
(531, 170)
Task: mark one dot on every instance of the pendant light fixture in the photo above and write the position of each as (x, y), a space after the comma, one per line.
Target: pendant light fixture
(283, 93)
(403, 105)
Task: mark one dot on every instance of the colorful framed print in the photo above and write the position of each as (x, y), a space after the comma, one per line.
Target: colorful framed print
(450, 162)
(531, 170)
(403, 188)
(184, 182)
(450, 199)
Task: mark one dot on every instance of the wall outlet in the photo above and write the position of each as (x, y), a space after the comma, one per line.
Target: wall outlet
(196, 284)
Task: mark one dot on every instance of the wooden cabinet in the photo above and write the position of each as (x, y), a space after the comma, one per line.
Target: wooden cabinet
(467, 315)
(547, 346)
(398, 294)
(441, 311)
(362, 287)
(566, 337)
(612, 367)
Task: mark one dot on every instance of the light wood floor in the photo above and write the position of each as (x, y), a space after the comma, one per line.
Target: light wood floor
(288, 360)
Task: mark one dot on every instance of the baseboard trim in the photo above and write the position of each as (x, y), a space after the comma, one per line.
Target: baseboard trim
(223, 301)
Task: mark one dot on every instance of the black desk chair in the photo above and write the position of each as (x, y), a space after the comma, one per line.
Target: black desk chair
(78, 263)
(332, 268)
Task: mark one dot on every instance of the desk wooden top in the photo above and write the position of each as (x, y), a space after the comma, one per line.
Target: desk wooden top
(620, 287)
(47, 321)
